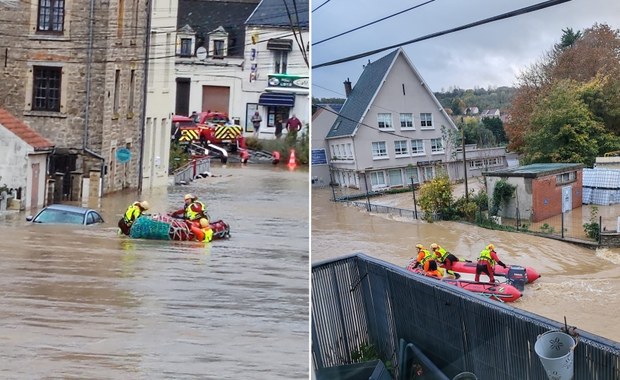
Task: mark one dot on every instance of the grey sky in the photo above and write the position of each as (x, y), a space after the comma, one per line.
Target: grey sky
(489, 55)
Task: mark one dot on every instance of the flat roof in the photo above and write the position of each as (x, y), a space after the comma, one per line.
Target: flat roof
(534, 170)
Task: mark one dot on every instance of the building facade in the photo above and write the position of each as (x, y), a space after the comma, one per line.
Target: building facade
(248, 63)
(73, 72)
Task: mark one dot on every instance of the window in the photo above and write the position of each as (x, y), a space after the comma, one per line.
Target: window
(428, 173)
(132, 84)
(280, 61)
(218, 48)
(412, 172)
(117, 85)
(396, 177)
(384, 120)
(400, 148)
(426, 120)
(379, 150)
(406, 120)
(51, 15)
(349, 154)
(186, 47)
(377, 179)
(565, 177)
(417, 147)
(46, 91)
(436, 146)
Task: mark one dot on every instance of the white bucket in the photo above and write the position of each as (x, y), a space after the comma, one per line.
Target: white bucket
(555, 350)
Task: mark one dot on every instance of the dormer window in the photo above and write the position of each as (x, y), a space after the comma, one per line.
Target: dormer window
(218, 43)
(186, 42)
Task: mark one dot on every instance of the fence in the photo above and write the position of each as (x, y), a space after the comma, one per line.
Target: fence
(189, 171)
(359, 301)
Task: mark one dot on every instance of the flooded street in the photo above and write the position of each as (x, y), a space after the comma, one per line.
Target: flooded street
(577, 283)
(86, 303)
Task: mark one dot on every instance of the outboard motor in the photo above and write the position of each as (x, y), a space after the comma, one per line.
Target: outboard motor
(517, 277)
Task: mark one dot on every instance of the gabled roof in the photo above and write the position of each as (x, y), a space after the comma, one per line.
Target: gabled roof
(205, 16)
(274, 13)
(24, 132)
(361, 95)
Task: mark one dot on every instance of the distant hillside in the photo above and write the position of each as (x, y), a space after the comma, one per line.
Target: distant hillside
(458, 99)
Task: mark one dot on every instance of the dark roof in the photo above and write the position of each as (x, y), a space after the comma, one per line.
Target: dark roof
(535, 170)
(206, 16)
(274, 13)
(23, 131)
(361, 95)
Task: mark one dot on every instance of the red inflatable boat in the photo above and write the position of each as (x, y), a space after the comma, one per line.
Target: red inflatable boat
(502, 292)
(470, 267)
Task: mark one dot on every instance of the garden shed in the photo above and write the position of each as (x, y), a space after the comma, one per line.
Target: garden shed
(540, 190)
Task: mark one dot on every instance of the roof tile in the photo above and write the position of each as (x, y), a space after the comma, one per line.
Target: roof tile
(23, 131)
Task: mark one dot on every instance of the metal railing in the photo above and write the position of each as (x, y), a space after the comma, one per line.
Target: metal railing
(359, 301)
(188, 172)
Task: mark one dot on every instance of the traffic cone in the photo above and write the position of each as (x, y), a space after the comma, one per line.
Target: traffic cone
(291, 159)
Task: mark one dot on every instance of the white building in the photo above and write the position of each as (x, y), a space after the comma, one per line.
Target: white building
(23, 161)
(159, 96)
(251, 64)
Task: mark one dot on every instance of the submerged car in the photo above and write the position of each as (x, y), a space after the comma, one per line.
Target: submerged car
(66, 214)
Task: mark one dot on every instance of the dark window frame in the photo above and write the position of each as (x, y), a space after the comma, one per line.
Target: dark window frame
(186, 47)
(51, 16)
(46, 88)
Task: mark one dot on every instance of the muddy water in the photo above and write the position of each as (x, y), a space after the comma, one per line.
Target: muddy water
(86, 303)
(580, 284)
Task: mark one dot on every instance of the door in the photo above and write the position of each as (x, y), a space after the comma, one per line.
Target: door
(567, 199)
(216, 99)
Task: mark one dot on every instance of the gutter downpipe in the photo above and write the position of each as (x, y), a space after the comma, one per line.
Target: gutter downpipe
(144, 94)
(89, 63)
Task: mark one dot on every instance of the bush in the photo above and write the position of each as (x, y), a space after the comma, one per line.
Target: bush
(593, 229)
(436, 198)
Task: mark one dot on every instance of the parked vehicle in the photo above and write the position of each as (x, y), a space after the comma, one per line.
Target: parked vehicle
(208, 129)
(66, 214)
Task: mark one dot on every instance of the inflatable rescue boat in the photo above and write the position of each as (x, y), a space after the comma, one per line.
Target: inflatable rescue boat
(470, 267)
(165, 227)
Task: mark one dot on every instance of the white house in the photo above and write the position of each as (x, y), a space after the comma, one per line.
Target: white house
(159, 97)
(322, 120)
(24, 156)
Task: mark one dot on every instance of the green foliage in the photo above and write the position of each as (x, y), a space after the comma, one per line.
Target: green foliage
(565, 129)
(502, 192)
(284, 146)
(436, 197)
(367, 352)
(547, 229)
(178, 157)
(593, 229)
(499, 97)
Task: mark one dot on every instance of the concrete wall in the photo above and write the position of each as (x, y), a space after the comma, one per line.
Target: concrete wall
(13, 160)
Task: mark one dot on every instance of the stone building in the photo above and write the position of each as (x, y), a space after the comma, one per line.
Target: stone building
(73, 71)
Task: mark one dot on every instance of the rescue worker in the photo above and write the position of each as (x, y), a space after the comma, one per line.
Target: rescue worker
(426, 259)
(133, 212)
(445, 258)
(202, 230)
(193, 209)
(486, 262)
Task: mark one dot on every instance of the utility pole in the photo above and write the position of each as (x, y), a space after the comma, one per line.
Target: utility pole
(415, 207)
(464, 160)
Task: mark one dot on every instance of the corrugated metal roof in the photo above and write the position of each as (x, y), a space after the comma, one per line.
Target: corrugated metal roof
(534, 170)
(23, 131)
(361, 95)
(274, 13)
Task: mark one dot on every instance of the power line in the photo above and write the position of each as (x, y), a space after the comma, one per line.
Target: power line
(518, 12)
(317, 8)
(372, 22)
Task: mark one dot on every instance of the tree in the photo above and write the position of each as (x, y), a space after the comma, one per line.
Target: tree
(436, 197)
(496, 126)
(564, 128)
(568, 38)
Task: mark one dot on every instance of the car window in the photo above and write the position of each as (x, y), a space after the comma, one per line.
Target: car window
(59, 216)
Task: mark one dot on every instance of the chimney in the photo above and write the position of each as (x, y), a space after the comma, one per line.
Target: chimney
(347, 87)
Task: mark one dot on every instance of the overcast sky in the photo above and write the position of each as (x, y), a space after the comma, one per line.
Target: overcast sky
(488, 55)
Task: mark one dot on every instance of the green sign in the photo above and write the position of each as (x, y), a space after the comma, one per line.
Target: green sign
(288, 81)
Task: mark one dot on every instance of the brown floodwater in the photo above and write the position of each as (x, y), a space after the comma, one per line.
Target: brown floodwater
(580, 284)
(83, 303)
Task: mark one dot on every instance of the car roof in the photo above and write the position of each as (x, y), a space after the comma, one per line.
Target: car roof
(70, 208)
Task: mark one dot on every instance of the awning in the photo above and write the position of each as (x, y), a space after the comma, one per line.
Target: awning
(280, 44)
(276, 99)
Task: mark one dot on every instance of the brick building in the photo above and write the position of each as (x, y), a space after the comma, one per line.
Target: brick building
(73, 71)
(542, 190)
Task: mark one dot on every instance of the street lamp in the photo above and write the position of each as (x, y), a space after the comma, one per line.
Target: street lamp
(415, 207)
